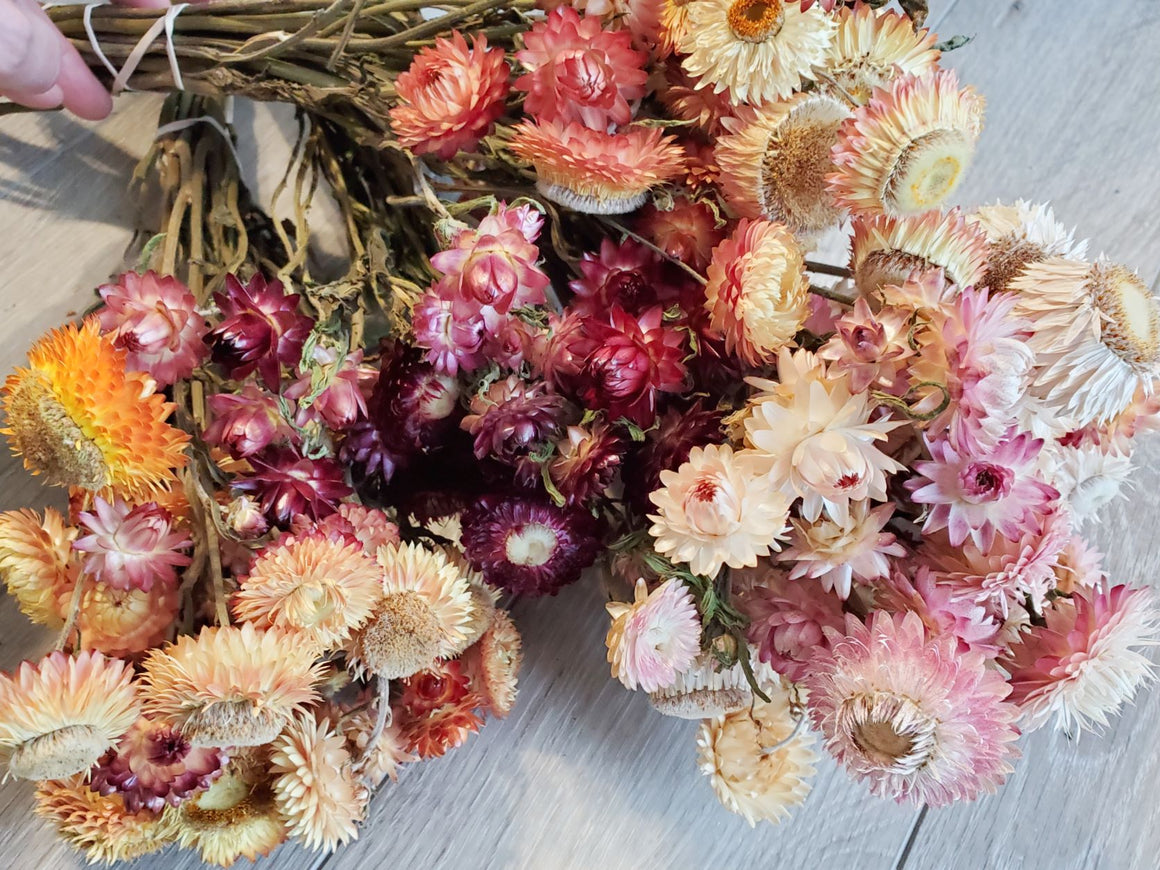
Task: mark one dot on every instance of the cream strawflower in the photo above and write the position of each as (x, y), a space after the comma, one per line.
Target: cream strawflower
(231, 685)
(872, 47)
(1088, 476)
(757, 294)
(655, 637)
(708, 689)
(758, 50)
(234, 818)
(889, 250)
(907, 149)
(815, 440)
(314, 785)
(838, 553)
(759, 767)
(59, 715)
(1096, 337)
(774, 161)
(1019, 235)
(715, 510)
(35, 562)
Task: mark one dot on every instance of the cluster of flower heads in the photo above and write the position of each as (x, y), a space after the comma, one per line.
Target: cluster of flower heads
(857, 511)
(246, 650)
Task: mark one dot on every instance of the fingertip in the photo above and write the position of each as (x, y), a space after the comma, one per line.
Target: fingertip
(84, 96)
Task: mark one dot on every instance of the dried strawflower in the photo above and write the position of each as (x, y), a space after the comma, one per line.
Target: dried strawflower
(688, 231)
(788, 621)
(125, 622)
(289, 485)
(80, 419)
(888, 250)
(59, 715)
(247, 422)
(514, 418)
(35, 557)
(872, 47)
(586, 462)
(493, 664)
(1020, 235)
(131, 546)
(230, 685)
(234, 818)
(655, 637)
(666, 447)
(437, 710)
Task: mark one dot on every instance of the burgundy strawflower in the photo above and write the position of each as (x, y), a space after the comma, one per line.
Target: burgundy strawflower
(247, 422)
(628, 275)
(634, 359)
(363, 450)
(154, 765)
(131, 547)
(154, 318)
(511, 419)
(287, 485)
(261, 329)
(412, 404)
(666, 447)
(526, 546)
(586, 462)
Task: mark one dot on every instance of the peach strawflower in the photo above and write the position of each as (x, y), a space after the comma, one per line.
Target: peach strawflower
(35, 562)
(385, 758)
(889, 250)
(321, 588)
(688, 231)
(98, 826)
(437, 710)
(917, 719)
(674, 23)
(234, 818)
(230, 685)
(450, 96)
(655, 637)
(597, 172)
(1087, 660)
(59, 715)
(493, 663)
(758, 50)
(79, 418)
(715, 510)
(836, 554)
(757, 291)
(816, 440)
(423, 615)
(907, 149)
(872, 47)
(314, 785)
(126, 622)
(759, 767)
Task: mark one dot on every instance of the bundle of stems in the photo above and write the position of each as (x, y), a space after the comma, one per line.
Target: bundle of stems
(336, 58)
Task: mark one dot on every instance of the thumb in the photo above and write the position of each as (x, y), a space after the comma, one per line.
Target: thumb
(29, 48)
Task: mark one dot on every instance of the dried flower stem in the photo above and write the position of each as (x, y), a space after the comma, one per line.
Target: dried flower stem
(74, 612)
(383, 717)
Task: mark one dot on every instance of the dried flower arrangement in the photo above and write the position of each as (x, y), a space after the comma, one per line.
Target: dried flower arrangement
(579, 326)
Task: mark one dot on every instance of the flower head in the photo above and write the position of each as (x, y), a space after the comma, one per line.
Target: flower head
(261, 329)
(35, 562)
(688, 231)
(757, 290)
(493, 664)
(586, 462)
(943, 609)
(247, 422)
(910, 714)
(125, 622)
(708, 688)
(412, 405)
(628, 275)
(59, 715)
(338, 388)
(888, 250)
(154, 319)
(437, 711)
(236, 817)
(787, 621)
(1019, 235)
(131, 547)
(838, 553)
(450, 96)
(655, 637)
(666, 447)
(80, 419)
(512, 418)
(874, 46)
(289, 485)
(873, 349)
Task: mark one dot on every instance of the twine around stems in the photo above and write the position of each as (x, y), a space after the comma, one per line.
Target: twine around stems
(121, 76)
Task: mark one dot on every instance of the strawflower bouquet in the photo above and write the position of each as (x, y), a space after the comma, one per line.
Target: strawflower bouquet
(581, 326)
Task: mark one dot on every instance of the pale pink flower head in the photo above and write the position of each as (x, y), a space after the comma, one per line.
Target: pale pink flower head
(909, 714)
(247, 422)
(450, 96)
(154, 318)
(871, 348)
(815, 438)
(452, 331)
(342, 400)
(787, 621)
(942, 609)
(494, 265)
(655, 638)
(837, 554)
(371, 527)
(716, 510)
(977, 493)
(579, 72)
(131, 547)
(1085, 662)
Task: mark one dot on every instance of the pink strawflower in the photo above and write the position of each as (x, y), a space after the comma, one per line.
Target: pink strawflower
(788, 621)
(836, 553)
(580, 72)
(154, 318)
(287, 484)
(131, 547)
(627, 275)
(494, 265)
(247, 422)
(342, 401)
(910, 714)
(561, 350)
(942, 609)
(450, 96)
(371, 527)
(633, 361)
(872, 348)
(245, 519)
(1085, 662)
(451, 330)
(976, 495)
(654, 638)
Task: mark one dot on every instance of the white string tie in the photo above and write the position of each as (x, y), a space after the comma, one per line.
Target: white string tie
(164, 25)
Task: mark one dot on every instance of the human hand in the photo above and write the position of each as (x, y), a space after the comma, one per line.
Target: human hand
(40, 69)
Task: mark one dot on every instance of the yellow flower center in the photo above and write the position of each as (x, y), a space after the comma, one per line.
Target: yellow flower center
(928, 171)
(756, 20)
(49, 439)
(1130, 314)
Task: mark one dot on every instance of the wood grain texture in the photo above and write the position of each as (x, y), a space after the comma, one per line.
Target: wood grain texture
(584, 774)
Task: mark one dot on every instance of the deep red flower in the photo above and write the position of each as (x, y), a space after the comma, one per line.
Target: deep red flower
(628, 275)
(247, 422)
(287, 484)
(412, 405)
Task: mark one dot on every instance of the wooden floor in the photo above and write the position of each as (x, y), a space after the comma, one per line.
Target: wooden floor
(584, 774)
